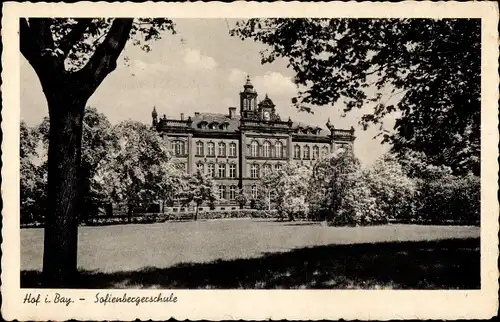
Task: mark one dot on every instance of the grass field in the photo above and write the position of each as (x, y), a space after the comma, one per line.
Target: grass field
(265, 254)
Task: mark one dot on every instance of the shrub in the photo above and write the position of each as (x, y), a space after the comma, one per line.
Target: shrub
(339, 193)
(393, 190)
(358, 206)
(148, 218)
(450, 199)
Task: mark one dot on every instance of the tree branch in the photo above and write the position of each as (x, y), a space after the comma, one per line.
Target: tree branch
(104, 59)
(41, 28)
(28, 44)
(75, 35)
(37, 46)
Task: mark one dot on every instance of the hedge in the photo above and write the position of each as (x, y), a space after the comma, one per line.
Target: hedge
(189, 215)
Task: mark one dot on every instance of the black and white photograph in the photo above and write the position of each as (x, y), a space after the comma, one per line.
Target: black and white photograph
(256, 153)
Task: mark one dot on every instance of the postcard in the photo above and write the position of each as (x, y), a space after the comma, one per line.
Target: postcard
(219, 161)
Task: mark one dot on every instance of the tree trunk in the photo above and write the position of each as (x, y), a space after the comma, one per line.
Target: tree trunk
(129, 213)
(64, 197)
(196, 213)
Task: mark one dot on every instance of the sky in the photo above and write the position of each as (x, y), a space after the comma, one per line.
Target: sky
(201, 69)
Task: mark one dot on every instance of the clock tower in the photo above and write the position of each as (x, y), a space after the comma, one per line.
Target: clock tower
(267, 109)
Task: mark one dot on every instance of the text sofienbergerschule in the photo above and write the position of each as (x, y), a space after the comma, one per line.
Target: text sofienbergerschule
(135, 299)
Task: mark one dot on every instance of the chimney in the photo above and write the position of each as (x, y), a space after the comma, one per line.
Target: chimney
(232, 112)
(182, 116)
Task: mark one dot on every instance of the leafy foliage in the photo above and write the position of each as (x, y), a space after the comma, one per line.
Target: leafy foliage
(137, 171)
(198, 188)
(89, 33)
(394, 191)
(446, 198)
(287, 186)
(33, 179)
(241, 198)
(433, 65)
(97, 143)
(340, 194)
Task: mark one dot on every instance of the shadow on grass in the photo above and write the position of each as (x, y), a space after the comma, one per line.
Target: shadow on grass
(446, 264)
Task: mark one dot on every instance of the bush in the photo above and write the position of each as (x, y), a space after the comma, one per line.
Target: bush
(358, 206)
(450, 199)
(393, 190)
(149, 218)
(340, 193)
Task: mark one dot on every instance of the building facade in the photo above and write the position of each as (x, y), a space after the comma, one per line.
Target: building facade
(237, 149)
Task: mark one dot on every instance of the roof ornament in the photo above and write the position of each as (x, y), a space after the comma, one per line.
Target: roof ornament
(154, 114)
(248, 87)
(248, 82)
(329, 124)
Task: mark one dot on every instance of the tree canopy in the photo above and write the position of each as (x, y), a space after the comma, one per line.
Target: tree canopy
(432, 64)
(139, 167)
(197, 187)
(287, 186)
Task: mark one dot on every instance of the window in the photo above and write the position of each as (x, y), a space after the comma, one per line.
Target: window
(266, 169)
(232, 170)
(278, 149)
(178, 147)
(200, 167)
(232, 149)
(211, 170)
(254, 148)
(222, 192)
(222, 149)
(296, 152)
(222, 170)
(266, 149)
(254, 191)
(211, 149)
(315, 153)
(306, 152)
(277, 166)
(232, 192)
(199, 148)
(254, 171)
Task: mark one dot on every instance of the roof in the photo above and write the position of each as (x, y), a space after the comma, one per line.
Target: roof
(216, 118)
(222, 122)
(298, 125)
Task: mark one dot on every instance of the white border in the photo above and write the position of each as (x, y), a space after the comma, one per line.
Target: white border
(256, 305)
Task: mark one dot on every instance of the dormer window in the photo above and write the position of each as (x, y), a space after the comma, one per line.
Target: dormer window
(202, 125)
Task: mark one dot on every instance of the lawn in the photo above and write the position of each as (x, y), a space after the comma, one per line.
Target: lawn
(255, 253)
